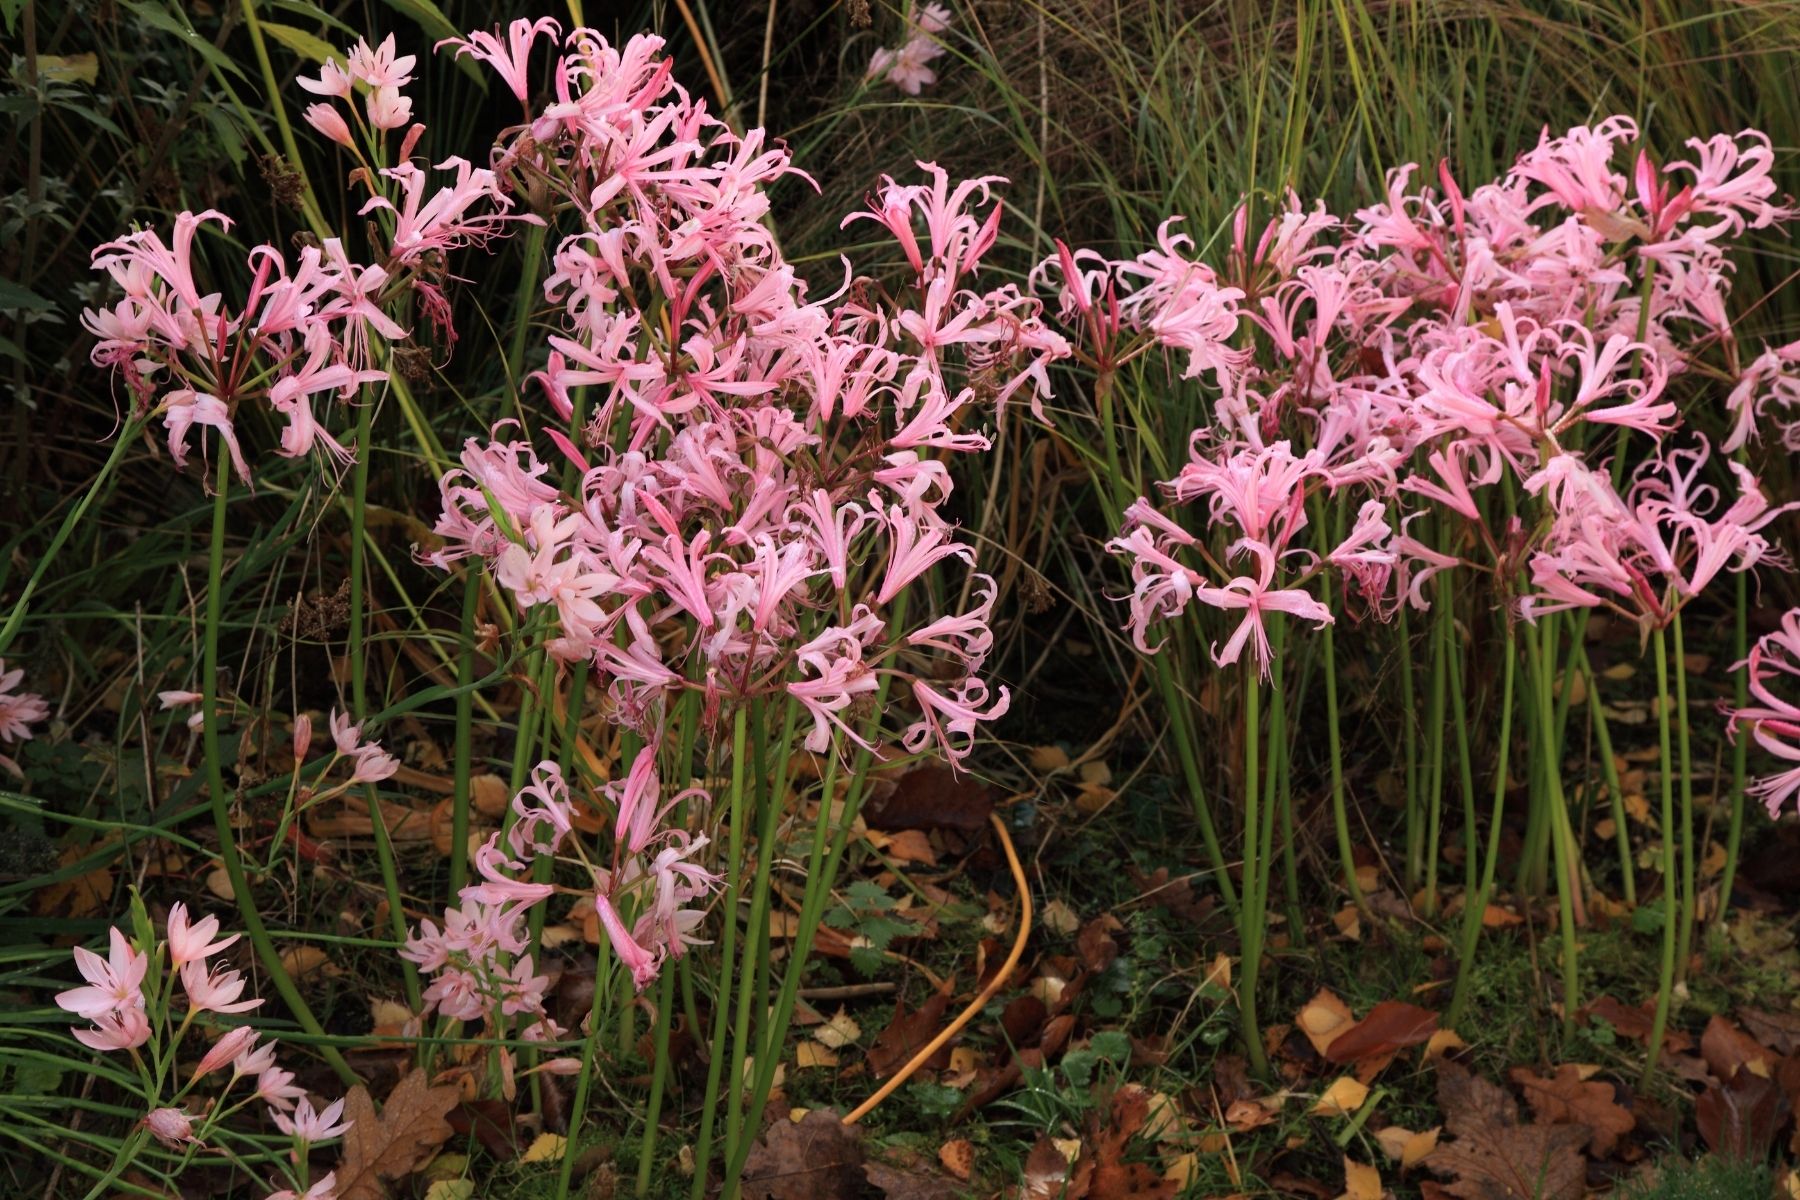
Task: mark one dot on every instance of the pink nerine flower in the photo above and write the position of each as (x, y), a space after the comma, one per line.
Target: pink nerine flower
(1774, 720)
(115, 983)
(509, 59)
(227, 1049)
(1255, 596)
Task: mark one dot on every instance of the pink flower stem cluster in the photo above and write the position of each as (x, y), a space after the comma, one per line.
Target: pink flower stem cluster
(1433, 387)
(754, 480)
(145, 997)
(648, 897)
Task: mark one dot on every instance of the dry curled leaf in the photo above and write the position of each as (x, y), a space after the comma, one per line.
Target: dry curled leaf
(1323, 1019)
(411, 1126)
(1409, 1148)
(1725, 1048)
(1566, 1098)
(1342, 1098)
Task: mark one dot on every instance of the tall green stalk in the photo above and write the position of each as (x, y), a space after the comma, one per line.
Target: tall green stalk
(1740, 746)
(727, 953)
(1684, 937)
(1253, 910)
(1475, 902)
(1665, 978)
(384, 845)
(220, 799)
(1609, 772)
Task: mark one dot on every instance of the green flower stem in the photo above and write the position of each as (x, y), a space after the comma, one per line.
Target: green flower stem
(359, 700)
(584, 1082)
(465, 714)
(128, 1153)
(727, 953)
(1740, 746)
(1665, 980)
(1684, 933)
(659, 1078)
(1434, 791)
(1609, 771)
(1460, 709)
(1183, 734)
(1409, 718)
(1556, 821)
(1340, 810)
(1253, 911)
(221, 799)
(48, 555)
(1475, 904)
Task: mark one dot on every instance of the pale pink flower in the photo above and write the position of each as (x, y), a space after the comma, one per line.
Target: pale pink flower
(190, 942)
(643, 965)
(329, 121)
(19, 711)
(114, 983)
(215, 990)
(227, 1049)
(309, 1127)
(324, 1189)
(380, 67)
(1256, 596)
(122, 1029)
(276, 1088)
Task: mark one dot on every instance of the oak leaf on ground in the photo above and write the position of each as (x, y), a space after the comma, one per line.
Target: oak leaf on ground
(1491, 1156)
(815, 1158)
(1566, 1098)
(410, 1128)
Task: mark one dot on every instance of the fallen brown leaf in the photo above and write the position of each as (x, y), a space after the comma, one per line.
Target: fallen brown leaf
(907, 1032)
(410, 1127)
(815, 1158)
(1567, 1099)
(1725, 1048)
(1389, 1026)
(1740, 1118)
(1324, 1019)
(1491, 1156)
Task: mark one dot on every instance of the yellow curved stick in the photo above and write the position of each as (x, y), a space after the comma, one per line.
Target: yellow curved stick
(968, 1014)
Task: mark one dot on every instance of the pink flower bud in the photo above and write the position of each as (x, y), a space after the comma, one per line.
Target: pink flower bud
(330, 122)
(225, 1050)
(302, 736)
(172, 1127)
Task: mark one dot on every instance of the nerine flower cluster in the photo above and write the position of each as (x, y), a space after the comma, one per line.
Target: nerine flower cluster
(1381, 382)
(754, 478)
(311, 329)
